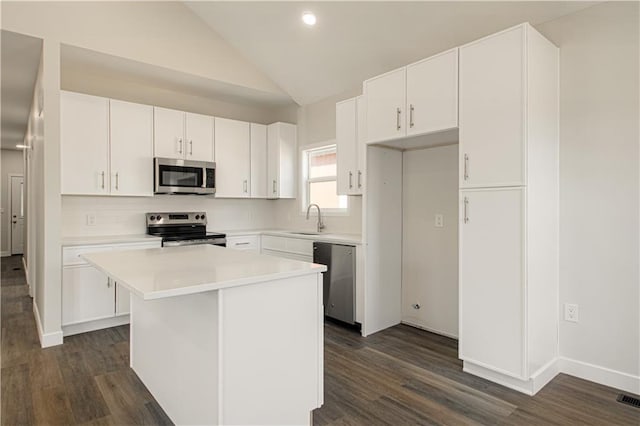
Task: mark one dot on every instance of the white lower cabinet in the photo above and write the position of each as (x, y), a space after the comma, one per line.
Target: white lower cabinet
(491, 273)
(91, 301)
(87, 295)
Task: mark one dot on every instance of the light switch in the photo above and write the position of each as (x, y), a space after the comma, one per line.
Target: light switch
(91, 219)
(439, 222)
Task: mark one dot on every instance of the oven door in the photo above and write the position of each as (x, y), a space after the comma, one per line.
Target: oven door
(173, 176)
(222, 242)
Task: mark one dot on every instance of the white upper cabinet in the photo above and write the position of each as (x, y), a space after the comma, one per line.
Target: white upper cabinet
(258, 160)
(233, 158)
(198, 137)
(281, 160)
(418, 99)
(131, 149)
(183, 135)
(168, 130)
(492, 110)
(432, 94)
(84, 133)
(106, 146)
(386, 100)
(351, 145)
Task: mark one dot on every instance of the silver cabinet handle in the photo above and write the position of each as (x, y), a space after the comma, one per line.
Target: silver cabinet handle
(190, 147)
(466, 205)
(398, 112)
(350, 179)
(359, 179)
(411, 115)
(108, 282)
(244, 186)
(242, 244)
(102, 180)
(117, 181)
(180, 142)
(466, 167)
(274, 186)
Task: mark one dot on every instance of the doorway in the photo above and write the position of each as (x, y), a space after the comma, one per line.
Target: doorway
(17, 214)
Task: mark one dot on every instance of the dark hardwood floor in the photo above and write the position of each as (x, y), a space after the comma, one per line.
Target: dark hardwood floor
(401, 376)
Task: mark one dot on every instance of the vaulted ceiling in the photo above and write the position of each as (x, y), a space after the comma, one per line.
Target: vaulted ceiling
(353, 41)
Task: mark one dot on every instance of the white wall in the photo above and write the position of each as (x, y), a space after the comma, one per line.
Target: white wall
(599, 187)
(12, 163)
(164, 34)
(430, 254)
(125, 215)
(317, 123)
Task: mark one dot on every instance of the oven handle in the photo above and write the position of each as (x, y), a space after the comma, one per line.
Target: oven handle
(216, 242)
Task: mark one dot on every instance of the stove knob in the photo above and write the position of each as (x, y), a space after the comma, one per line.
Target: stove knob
(201, 217)
(152, 218)
(197, 216)
(159, 217)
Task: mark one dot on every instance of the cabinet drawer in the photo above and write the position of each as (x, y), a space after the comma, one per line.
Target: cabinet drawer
(289, 245)
(71, 255)
(244, 242)
(292, 256)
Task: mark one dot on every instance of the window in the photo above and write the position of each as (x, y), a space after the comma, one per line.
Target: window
(319, 185)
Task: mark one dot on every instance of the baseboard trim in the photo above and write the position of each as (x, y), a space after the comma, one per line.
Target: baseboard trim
(26, 276)
(545, 374)
(83, 327)
(602, 375)
(430, 330)
(5, 253)
(48, 339)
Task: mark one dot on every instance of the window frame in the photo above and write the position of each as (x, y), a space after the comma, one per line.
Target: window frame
(306, 181)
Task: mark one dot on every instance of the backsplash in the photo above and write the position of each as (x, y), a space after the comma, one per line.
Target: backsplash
(125, 215)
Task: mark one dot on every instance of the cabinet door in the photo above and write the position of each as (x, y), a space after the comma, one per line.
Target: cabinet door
(233, 158)
(84, 144)
(386, 115)
(123, 301)
(492, 101)
(87, 294)
(361, 151)
(282, 155)
(199, 137)
(432, 94)
(346, 141)
(131, 149)
(168, 133)
(258, 160)
(491, 279)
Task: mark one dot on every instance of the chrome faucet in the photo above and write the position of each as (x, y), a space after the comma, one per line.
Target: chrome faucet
(320, 224)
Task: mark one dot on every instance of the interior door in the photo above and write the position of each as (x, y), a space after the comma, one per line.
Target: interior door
(491, 288)
(17, 214)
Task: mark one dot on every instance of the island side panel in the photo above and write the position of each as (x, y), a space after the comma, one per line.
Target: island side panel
(174, 351)
(272, 351)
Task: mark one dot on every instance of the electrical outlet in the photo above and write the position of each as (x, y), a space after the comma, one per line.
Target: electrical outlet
(439, 221)
(571, 312)
(91, 219)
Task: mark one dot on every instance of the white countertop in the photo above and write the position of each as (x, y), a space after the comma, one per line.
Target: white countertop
(324, 237)
(107, 239)
(174, 271)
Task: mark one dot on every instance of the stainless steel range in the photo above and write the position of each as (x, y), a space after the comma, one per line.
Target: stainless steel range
(183, 229)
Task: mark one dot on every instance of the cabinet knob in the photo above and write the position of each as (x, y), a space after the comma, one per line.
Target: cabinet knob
(416, 306)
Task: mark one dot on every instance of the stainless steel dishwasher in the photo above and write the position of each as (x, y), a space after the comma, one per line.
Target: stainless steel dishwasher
(339, 280)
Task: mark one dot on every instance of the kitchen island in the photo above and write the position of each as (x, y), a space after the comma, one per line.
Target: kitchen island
(222, 336)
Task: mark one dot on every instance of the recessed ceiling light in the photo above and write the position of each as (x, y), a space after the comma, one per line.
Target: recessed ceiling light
(309, 18)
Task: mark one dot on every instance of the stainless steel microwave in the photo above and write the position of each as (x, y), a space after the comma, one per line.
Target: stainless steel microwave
(173, 176)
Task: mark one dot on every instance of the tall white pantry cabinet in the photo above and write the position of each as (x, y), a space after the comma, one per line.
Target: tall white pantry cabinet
(509, 208)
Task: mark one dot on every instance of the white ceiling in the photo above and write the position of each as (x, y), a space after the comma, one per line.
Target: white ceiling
(20, 62)
(353, 41)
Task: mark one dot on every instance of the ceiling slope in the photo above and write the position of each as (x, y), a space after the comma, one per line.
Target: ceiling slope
(353, 41)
